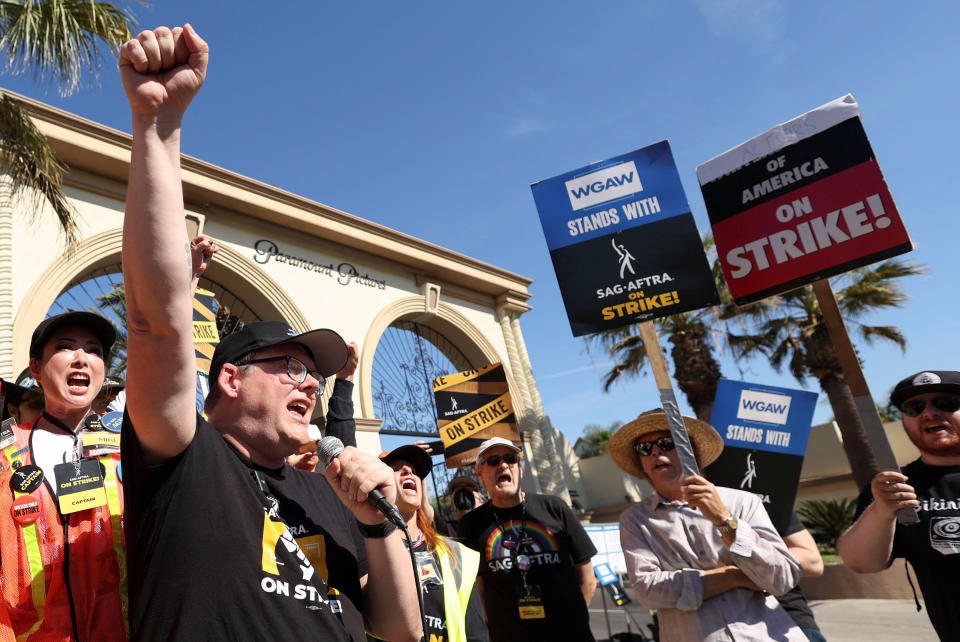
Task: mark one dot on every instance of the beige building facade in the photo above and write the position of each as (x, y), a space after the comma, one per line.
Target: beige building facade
(281, 257)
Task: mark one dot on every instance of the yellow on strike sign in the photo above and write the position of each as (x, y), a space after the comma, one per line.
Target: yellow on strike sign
(473, 406)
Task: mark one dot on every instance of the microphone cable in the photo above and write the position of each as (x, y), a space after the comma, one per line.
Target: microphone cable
(416, 579)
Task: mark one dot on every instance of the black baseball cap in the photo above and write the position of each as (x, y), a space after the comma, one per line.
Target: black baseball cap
(414, 455)
(98, 324)
(326, 347)
(926, 381)
(13, 392)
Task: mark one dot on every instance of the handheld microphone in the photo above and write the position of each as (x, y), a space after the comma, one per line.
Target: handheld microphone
(329, 449)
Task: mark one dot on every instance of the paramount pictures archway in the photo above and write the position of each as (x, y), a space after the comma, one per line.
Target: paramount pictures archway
(285, 257)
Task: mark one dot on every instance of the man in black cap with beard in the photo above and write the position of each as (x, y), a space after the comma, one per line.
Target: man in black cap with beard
(930, 403)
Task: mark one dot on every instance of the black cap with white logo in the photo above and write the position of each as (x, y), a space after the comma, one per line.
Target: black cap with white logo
(326, 347)
(926, 381)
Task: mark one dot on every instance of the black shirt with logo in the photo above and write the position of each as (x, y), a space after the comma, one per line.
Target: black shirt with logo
(207, 562)
(933, 546)
(545, 530)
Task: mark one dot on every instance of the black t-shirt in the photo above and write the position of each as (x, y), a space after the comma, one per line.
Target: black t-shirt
(554, 541)
(207, 563)
(433, 606)
(933, 546)
(794, 601)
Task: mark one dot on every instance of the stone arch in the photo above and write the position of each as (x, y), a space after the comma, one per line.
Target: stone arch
(230, 268)
(453, 325)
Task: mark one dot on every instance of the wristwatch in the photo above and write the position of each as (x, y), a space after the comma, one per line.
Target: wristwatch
(729, 525)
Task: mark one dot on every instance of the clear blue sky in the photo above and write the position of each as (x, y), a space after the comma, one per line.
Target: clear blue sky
(434, 117)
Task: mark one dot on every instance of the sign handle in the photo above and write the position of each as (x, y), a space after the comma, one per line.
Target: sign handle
(862, 399)
(651, 343)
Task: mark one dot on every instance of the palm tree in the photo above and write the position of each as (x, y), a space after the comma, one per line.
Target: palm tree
(598, 437)
(790, 329)
(827, 519)
(56, 40)
(695, 368)
(694, 342)
(115, 301)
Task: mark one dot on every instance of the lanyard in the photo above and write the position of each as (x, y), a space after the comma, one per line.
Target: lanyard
(520, 561)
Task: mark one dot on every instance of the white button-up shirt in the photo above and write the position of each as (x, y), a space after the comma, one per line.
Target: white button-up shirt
(668, 545)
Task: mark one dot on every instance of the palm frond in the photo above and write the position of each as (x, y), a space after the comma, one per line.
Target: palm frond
(34, 169)
(888, 332)
(57, 40)
(875, 287)
(827, 519)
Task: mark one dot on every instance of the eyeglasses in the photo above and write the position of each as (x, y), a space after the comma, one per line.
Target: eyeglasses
(494, 460)
(297, 370)
(644, 448)
(945, 403)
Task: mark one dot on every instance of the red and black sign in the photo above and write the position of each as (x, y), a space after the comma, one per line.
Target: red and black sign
(808, 210)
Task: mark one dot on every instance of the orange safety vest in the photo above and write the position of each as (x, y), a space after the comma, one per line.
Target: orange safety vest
(54, 590)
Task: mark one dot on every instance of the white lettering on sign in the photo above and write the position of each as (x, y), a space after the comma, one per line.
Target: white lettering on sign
(736, 432)
(811, 235)
(603, 185)
(783, 179)
(763, 406)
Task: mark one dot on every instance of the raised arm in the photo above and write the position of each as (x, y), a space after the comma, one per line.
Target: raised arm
(867, 546)
(162, 70)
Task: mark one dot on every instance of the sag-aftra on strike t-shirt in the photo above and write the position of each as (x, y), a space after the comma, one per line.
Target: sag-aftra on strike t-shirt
(207, 562)
(550, 535)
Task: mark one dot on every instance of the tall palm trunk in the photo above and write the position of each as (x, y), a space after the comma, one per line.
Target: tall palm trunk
(822, 362)
(696, 371)
(856, 445)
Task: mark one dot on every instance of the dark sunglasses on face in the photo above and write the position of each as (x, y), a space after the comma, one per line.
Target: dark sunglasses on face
(945, 403)
(494, 460)
(644, 448)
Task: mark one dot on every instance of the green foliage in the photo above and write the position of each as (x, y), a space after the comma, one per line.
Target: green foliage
(60, 39)
(55, 40)
(598, 437)
(115, 301)
(827, 519)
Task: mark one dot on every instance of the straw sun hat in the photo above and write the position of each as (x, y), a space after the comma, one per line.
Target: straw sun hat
(707, 443)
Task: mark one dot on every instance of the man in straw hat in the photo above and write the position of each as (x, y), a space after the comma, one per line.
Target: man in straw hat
(708, 559)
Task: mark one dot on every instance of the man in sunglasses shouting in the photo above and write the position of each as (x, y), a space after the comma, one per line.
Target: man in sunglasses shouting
(535, 575)
(930, 403)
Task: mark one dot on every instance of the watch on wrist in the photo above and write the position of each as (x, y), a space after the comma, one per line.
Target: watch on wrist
(729, 525)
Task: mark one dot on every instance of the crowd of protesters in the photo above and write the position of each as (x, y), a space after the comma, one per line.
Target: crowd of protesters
(174, 524)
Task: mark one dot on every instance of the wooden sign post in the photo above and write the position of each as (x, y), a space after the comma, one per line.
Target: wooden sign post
(651, 343)
(862, 398)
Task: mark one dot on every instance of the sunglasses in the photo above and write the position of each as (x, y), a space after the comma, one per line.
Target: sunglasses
(494, 460)
(915, 407)
(644, 448)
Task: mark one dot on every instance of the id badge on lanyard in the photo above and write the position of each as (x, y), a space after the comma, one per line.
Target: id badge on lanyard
(529, 598)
